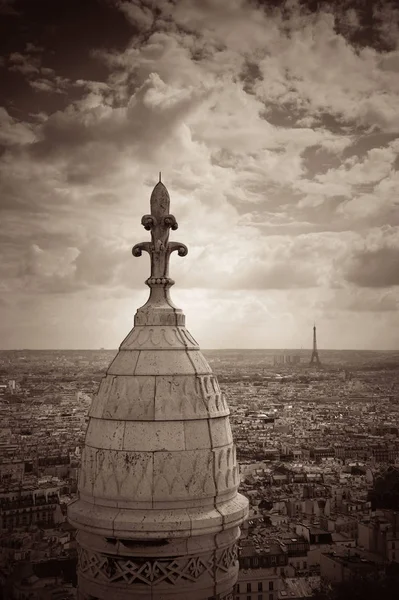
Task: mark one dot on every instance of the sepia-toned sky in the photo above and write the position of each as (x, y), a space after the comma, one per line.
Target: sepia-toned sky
(275, 126)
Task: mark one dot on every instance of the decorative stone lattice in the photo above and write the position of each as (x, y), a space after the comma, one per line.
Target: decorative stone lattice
(133, 571)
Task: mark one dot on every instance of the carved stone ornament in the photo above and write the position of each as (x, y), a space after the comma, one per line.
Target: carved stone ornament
(132, 571)
(159, 222)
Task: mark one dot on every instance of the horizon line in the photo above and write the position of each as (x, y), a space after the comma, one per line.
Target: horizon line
(282, 350)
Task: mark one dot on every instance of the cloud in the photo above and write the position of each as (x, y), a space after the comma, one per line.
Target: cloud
(379, 202)
(63, 269)
(278, 262)
(375, 268)
(360, 300)
(375, 166)
(152, 120)
(25, 64)
(40, 78)
(58, 85)
(48, 272)
(364, 184)
(33, 49)
(386, 15)
(295, 73)
(108, 263)
(138, 14)
(12, 132)
(7, 8)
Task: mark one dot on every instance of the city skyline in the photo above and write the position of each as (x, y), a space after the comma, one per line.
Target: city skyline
(275, 129)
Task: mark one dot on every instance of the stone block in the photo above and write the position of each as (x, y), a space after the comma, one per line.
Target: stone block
(105, 433)
(200, 364)
(188, 340)
(164, 362)
(197, 435)
(165, 315)
(220, 432)
(227, 537)
(118, 475)
(212, 396)
(92, 518)
(87, 471)
(100, 398)
(129, 398)
(154, 435)
(179, 397)
(234, 512)
(224, 468)
(155, 524)
(204, 522)
(179, 476)
(124, 363)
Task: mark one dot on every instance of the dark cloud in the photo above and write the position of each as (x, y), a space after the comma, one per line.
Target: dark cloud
(319, 160)
(374, 268)
(13, 132)
(286, 114)
(59, 85)
(25, 64)
(67, 31)
(363, 143)
(7, 8)
(141, 16)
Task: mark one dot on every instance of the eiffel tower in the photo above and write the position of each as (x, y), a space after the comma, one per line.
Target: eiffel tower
(315, 356)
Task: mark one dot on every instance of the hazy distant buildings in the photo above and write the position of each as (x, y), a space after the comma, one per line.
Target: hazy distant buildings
(286, 359)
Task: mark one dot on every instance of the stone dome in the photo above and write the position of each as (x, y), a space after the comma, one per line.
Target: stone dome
(158, 511)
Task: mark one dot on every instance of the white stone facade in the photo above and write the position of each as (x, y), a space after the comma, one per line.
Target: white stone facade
(158, 511)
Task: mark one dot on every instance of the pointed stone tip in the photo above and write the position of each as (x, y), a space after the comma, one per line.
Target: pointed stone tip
(159, 188)
(160, 198)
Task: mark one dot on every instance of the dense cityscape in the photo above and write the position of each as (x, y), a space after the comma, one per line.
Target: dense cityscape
(313, 444)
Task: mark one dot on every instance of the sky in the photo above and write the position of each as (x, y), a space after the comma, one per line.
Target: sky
(276, 128)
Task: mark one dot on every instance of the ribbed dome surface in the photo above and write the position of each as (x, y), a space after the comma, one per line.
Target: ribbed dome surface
(158, 437)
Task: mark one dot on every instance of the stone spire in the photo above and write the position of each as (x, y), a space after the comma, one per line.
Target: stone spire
(159, 222)
(158, 512)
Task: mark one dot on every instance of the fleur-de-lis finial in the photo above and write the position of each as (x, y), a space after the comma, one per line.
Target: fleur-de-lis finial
(159, 222)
